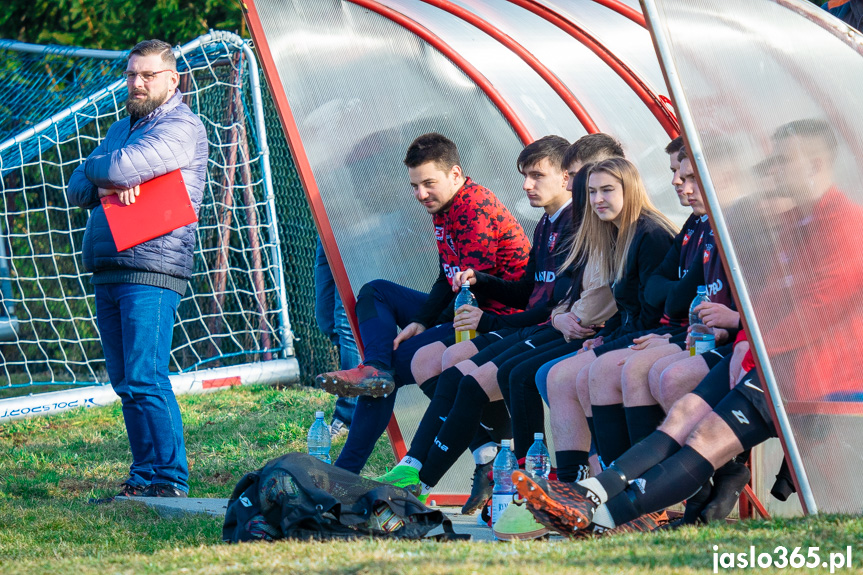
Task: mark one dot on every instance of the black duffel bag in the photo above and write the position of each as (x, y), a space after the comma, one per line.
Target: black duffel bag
(300, 497)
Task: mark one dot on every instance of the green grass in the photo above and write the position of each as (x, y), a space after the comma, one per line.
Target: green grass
(50, 466)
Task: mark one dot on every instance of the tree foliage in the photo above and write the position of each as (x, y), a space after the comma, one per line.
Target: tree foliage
(117, 24)
(120, 24)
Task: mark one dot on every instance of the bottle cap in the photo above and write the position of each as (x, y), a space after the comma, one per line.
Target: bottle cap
(537, 436)
(319, 415)
(504, 443)
(702, 289)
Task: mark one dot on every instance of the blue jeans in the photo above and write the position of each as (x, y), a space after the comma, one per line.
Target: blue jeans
(333, 322)
(382, 308)
(136, 324)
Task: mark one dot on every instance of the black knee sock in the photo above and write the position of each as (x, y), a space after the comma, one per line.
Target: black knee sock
(441, 403)
(496, 422)
(653, 449)
(643, 420)
(456, 433)
(526, 404)
(612, 437)
(428, 386)
(670, 482)
(572, 465)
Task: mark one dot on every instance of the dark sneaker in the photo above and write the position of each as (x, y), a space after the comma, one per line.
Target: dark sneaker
(784, 485)
(481, 489)
(728, 483)
(696, 504)
(564, 507)
(643, 524)
(361, 380)
(126, 490)
(163, 490)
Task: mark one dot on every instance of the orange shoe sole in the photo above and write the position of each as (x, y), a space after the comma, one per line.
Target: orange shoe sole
(550, 511)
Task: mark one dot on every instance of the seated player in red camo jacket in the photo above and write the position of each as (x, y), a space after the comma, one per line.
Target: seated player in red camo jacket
(472, 229)
(546, 185)
(708, 427)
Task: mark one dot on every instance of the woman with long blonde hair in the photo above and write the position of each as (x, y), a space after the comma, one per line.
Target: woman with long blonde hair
(624, 238)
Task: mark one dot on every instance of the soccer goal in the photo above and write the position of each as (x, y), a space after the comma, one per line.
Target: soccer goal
(233, 327)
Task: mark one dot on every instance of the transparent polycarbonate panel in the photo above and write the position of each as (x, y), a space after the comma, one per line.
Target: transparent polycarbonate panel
(612, 104)
(361, 88)
(534, 101)
(626, 39)
(782, 142)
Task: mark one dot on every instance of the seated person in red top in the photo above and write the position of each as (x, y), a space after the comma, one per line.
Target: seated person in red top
(706, 428)
(473, 229)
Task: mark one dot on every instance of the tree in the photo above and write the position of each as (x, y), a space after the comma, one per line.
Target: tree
(117, 24)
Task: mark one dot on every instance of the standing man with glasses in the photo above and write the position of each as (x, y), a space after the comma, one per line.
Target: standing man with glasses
(138, 289)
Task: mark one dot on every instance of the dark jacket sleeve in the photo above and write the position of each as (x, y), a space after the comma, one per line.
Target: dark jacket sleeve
(440, 297)
(80, 191)
(681, 294)
(651, 252)
(514, 294)
(665, 275)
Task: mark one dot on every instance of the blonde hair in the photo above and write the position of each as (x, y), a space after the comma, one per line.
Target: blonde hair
(604, 242)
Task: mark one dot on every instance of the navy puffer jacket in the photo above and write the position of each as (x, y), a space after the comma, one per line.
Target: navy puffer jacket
(169, 138)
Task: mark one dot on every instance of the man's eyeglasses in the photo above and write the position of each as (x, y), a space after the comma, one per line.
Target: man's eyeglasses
(145, 76)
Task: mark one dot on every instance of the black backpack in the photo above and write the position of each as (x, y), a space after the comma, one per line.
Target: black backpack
(300, 497)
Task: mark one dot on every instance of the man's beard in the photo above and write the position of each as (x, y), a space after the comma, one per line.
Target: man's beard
(141, 108)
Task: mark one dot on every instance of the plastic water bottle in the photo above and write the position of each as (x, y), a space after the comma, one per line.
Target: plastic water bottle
(538, 461)
(319, 438)
(703, 339)
(464, 297)
(504, 465)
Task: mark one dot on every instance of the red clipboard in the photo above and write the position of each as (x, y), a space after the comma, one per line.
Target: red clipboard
(162, 206)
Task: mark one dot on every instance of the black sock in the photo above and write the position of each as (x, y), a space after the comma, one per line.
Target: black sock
(784, 485)
(675, 479)
(442, 401)
(653, 449)
(527, 408)
(643, 420)
(428, 386)
(496, 422)
(612, 436)
(571, 465)
(456, 433)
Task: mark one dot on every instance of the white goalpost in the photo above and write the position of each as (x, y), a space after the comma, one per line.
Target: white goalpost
(233, 326)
